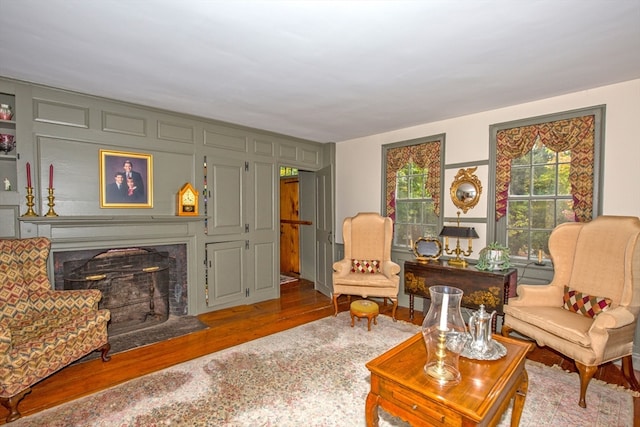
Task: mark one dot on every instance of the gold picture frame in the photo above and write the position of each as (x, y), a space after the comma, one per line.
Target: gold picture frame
(126, 179)
(427, 249)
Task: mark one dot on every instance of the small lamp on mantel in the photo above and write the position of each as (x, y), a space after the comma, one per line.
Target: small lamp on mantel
(458, 233)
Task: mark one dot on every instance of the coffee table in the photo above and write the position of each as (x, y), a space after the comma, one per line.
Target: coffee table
(400, 386)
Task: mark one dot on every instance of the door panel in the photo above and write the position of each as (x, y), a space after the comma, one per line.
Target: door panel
(227, 198)
(225, 277)
(263, 236)
(324, 230)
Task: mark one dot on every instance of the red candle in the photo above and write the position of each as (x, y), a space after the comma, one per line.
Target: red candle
(28, 175)
(50, 176)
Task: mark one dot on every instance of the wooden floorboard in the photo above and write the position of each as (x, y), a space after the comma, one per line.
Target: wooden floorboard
(299, 304)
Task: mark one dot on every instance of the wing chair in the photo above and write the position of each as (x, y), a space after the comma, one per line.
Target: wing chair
(41, 330)
(367, 269)
(590, 309)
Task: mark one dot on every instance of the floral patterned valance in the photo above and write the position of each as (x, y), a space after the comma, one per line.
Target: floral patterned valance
(426, 155)
(576, 135)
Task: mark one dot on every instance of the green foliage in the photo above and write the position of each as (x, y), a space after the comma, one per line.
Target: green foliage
(486, 263)
(539, 199)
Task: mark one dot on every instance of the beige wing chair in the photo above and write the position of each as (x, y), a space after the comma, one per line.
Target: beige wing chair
(41, 330)
(601, 259)
(367, 269)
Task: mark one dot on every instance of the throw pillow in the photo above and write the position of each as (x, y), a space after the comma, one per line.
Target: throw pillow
(365, 266)
(587, 305)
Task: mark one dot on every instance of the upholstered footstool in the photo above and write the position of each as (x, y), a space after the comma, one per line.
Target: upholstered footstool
(364, 308)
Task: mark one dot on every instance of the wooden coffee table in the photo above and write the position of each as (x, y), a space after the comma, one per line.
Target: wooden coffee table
(400, 386)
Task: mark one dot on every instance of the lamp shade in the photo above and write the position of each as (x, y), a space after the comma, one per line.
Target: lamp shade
(459, 232)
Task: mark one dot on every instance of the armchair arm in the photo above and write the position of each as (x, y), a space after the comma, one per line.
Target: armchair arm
(5, 339)
(342, 267)
(66, 302)
(389, 268)
(537, 295)
(613, 318)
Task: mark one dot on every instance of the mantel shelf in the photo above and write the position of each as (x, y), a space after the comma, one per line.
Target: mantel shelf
(62, 221)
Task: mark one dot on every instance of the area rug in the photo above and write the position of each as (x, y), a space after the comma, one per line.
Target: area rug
(287, 279)
(311, 375)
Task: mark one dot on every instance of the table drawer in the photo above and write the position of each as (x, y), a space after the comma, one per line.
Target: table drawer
(419, 410)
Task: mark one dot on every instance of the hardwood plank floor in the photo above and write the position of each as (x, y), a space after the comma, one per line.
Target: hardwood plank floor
(299, 303)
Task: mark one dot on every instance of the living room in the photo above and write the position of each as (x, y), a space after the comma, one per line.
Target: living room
(67, 125)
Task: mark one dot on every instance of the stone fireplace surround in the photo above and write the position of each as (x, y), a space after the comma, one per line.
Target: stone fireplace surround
(93, 235)
(141, 286)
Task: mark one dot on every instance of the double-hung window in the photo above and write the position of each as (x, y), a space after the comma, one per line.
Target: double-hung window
(546, 172)
(413, 188)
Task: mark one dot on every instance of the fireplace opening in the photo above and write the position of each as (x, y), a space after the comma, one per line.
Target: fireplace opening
(141, 287)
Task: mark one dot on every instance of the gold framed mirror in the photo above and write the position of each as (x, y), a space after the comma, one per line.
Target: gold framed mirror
(466, 189)
(427, 249)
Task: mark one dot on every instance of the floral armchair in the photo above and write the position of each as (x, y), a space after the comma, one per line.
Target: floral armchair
(41, 330)
(367, 269)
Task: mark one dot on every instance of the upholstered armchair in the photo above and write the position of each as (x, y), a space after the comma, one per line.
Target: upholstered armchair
(367, 269)
(41, 330)
(590, 309)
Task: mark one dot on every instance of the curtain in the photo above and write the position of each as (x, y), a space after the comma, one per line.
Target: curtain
(425, 155)
(576, 135)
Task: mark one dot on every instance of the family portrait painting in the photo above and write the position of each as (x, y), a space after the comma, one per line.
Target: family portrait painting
(125, 180)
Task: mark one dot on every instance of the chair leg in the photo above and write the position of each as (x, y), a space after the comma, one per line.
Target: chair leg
(104, 350)
(335, 303)
(395, 306)
(586, 373)
(11, 403)
(629, 375)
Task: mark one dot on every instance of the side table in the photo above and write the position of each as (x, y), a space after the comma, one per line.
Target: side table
(491, 288)
(400, 386)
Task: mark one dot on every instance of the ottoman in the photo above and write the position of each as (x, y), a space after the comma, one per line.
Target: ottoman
(364, 308)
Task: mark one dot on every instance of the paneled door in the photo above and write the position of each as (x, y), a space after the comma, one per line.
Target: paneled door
(289, 227)
(324, 230)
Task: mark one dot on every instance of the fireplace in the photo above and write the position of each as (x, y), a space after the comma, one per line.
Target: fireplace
(141, 286)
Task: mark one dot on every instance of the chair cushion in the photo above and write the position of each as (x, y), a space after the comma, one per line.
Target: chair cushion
(365, 266)
(587, 305)
(569, 326)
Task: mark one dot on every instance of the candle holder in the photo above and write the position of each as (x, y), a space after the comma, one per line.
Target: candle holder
(444, 333)
(51, 204)
(30, 204)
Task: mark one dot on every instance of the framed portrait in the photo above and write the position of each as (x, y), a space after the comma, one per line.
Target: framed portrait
(126, 180)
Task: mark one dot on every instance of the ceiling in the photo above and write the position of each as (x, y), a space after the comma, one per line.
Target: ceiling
(322, 70)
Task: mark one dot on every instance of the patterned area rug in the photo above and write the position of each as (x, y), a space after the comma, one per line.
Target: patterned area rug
(311, 375)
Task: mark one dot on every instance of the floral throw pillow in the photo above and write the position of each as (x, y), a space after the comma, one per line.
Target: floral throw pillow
(365, 266)
(586, 305)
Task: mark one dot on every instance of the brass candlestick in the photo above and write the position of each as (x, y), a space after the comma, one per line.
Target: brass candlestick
(30, 204)
(438, 370)
(51, 204)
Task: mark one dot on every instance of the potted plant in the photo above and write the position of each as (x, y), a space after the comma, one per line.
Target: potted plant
(494, 257)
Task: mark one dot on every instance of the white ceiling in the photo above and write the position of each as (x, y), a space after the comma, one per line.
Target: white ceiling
(322, 70)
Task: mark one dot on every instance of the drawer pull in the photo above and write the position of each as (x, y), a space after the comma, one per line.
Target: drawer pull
(426, 409)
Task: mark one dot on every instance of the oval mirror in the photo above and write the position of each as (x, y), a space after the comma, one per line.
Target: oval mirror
(466, 189)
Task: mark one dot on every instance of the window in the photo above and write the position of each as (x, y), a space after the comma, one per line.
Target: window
(413, 188)
(547, 173)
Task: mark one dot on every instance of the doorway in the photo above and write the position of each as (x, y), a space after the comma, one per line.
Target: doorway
(297, 219)
(289, 226)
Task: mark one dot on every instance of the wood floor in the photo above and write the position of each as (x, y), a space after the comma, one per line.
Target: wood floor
(299, 303)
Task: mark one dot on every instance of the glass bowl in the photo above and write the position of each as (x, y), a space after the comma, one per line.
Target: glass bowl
(7, 142)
